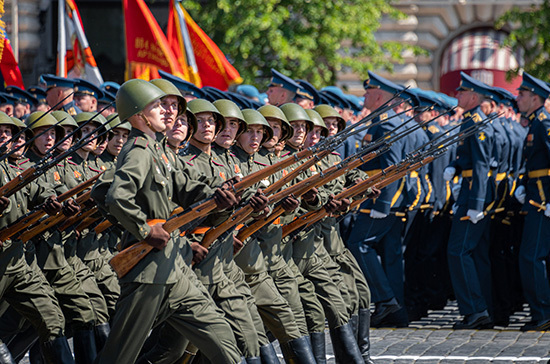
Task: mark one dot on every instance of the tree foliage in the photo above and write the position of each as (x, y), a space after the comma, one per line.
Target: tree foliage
(531, 32)
(309, 39)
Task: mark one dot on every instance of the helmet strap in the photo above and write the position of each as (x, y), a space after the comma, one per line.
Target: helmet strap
(144, 118)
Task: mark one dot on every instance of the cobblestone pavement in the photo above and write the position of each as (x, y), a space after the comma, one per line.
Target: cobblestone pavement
(433, 341)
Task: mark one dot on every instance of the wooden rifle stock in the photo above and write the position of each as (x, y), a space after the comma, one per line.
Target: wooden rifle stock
(82, 217)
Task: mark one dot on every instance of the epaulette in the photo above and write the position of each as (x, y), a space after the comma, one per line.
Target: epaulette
(541, 115)
(476, 118)
(23, 161)
(217, 164)
(95, 170)
(336, 153)
(141, 142)
(261, 164)
(383, 116)
(433, 129)
(189, 161)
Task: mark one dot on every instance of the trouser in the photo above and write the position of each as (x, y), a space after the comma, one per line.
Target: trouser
(337, 277)
(354, 279)
(180, 305)
(469, 265)
(107, 281)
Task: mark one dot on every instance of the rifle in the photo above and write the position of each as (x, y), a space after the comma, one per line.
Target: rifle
(32, 217)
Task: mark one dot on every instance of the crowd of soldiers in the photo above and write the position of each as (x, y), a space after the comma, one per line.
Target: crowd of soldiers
(159, 222)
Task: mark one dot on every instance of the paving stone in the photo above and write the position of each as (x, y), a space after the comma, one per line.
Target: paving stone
(484, 335)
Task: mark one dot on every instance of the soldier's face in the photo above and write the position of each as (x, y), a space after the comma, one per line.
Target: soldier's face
(206, 127)
(227, 136)
(86, 102)
(21, 110)
(332, 125)
(467, 99)
(250, 140)
(154, 113)
(525, 101)
(300, 130)
(5, 133)
(7, 108)
(118, 139)
(45, 141)
(67, 142)
(313, 136)
(100, 148)
(177, 134)
(305, 103)
(276, 126)
(170, 105)
(371, 98)
(90, 129)
(18, 153)
(275, 95)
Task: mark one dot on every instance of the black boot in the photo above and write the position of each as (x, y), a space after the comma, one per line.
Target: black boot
(84, 346)
(102, 332)
(57, 351)
(268, 354)
(354, 321)
(345, 346)
(5, 355)
(363, 336)
(253, 360)
(318, 347)
(298, 351)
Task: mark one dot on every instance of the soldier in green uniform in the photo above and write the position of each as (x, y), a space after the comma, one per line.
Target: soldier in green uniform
(21, 287)
(60, 91)
(146, 186)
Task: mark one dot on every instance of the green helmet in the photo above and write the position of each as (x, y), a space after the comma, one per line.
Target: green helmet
(295, 112)
(114, 123)
(327, 111)
(171, 90)
(134, 95)
(272, 111)
(20, 126)
(67, 120)
(253, 117)
(97, 119)
(200, 105)
(46, 119)
(318, 121)
(229, 109)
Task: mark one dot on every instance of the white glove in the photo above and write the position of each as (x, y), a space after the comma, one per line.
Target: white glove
(377, 214)
(455, 191)
(449, 173)
(519, 194)
(475, 216)
(547, 211)
(454, 209)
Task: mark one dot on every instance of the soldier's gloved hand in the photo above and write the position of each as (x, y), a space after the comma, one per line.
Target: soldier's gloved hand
(475, 216)
(377, 214)
(455, 191)
(230, 182)
(199, 252)
(373, 192)
(51, 205)
(4, 204)
(237, 245)
(520, 194)
(290, 203)
(332, 205)
(259, 201)
(344, 206)
(449, 173)
(225, 198)
(70, 208)
(547, 211)
(158, 237)
(310, 196)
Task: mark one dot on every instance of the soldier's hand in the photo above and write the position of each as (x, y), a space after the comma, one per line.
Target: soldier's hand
(520, 194)
(449, 173)
(358, 180)
(51, 205)
(199, 252)
(311, 196)
(158, 237)
(4, 204)
(373, 192)
(332, 205)
(230, 182)
(237, 245)
(70, 208)
(290, 203)
(225, 198)
(259, 201)
(344, 206)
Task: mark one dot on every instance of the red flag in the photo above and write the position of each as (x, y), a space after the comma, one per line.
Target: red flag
(8, 65)
(214, 68)
(147, 49)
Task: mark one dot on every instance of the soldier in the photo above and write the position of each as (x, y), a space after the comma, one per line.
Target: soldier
(87, 95)
(308, 96)
(135, 196)
(282, 89)
(106, 103)
(39, 95)
(58, 89)
(7, 103)
(22, 107)
(468, 247)
(535, 244)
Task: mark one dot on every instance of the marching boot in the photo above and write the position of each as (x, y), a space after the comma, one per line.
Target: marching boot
(5, 355)
(84, 346)
(57, 351)
(102, 332)
(354, 321)
(253, 360)
(345, 346)
(363, 337)
(318, 347)
(298, 351)
(268, 354)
